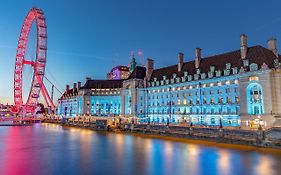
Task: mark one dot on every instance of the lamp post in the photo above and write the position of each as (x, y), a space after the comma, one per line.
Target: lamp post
(170, 106)
(221, 126)
(200, 101)
(146, 106)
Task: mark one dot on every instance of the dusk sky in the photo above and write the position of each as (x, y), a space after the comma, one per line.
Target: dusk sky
(88, 38)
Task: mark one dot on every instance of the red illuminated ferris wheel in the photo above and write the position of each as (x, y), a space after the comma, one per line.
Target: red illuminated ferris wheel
(34, 16)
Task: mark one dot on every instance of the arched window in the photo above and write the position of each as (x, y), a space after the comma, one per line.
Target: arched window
(255, 99)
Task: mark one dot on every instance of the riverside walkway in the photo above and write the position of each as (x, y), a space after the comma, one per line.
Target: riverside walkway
(260, 138)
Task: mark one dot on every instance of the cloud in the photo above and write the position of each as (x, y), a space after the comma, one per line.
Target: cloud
(80, 55)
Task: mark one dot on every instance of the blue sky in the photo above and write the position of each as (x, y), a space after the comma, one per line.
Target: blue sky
(87, 38)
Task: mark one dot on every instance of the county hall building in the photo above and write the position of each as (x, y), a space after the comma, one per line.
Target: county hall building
(237, 88)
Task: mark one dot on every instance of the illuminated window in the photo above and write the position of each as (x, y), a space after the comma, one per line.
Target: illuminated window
(204, 85)
(255, 99)
(184, 102)
(227, 90)
(228, 100)
(219, 83)
(204, 101)
(211, 84)
(227, 82)
(190, 87)
(179, 102)
(236, 100)
(236, 81)
(220, 100)
(253, 78)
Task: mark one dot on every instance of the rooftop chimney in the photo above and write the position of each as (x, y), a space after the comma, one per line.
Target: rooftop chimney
(149, 68)
(79, 85)
(197, 57)
(180, 61)
(243, 46)
(67, 88)
(74, 86)
(272, 45)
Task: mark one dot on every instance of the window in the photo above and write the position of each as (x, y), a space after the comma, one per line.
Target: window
(220, 100)
(213, 121)
(228, 100)
(204, 101)
(253, 78)
(255, 99)
(227, 90)
(236, 100)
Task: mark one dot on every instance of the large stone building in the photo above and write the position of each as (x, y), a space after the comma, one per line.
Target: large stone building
(241, 87)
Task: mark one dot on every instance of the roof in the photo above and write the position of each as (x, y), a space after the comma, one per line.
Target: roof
(139, 73)
(120, 67)
(102, 84)
(256, 54)
(70, 92)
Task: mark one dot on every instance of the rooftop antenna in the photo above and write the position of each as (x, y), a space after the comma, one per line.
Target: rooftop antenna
(140, 55)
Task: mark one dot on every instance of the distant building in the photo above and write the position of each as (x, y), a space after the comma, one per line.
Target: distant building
(5, 110)
(237, 88)
(118, 73)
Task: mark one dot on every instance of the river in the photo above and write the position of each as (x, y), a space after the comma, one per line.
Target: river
(50, 149)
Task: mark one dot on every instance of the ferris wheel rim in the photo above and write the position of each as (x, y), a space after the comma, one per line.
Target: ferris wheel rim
(35, 15)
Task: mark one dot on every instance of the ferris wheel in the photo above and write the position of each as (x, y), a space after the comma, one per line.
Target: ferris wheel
(34, 17)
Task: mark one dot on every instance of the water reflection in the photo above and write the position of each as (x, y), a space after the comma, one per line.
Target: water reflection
(52, 149)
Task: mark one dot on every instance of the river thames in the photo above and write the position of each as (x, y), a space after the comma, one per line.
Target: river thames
(52, 149)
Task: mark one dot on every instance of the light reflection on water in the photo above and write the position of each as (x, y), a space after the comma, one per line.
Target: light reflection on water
(52, 149)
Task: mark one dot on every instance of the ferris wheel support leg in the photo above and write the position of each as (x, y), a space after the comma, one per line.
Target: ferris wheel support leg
(46, 95)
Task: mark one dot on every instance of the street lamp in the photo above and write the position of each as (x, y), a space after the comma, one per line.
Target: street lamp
(170, 106)
(200, 101)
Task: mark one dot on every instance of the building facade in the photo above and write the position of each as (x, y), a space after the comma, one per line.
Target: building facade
(238, 88)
